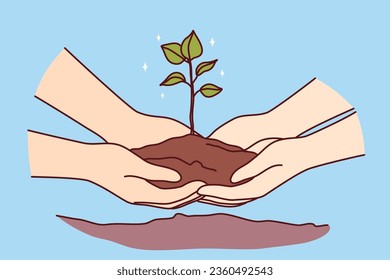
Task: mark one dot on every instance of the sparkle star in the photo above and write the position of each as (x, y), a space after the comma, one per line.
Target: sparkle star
(222, 73)
(145, 67)
(212, 42)
(162, 95)
(158, 37)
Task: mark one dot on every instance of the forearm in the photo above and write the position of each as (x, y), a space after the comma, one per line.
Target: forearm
(71, 88)
(342, 140)
(58, 158)
(310, 106)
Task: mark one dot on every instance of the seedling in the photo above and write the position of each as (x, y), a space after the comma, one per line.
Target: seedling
(190, 49)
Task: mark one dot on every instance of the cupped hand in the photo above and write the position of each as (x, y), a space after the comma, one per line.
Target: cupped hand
(278, 161)
(110, 166)
(124, 174)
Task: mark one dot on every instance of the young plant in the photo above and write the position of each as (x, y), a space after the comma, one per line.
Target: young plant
(187, 51)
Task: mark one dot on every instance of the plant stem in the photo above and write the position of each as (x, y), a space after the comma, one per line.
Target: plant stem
(192, 102)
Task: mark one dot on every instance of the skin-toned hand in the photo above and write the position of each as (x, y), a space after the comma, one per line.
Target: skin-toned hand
(110, 166)
(71, 88)
(310, 106)
(279, 160)
(313, 104)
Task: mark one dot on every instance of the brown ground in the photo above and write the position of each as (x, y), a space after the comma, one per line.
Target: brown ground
(196, 158)
(201, 231)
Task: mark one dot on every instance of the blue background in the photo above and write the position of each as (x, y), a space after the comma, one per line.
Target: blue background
(267, 49)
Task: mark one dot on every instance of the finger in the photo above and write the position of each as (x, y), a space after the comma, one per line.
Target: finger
(181, 203)
(225, 201)
(206, 201)
(152, 195)
(258, 187)
(218, 204)
(145, 170)
(261, 145)
(255, 167)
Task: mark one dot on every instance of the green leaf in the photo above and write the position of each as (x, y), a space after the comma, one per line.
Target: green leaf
(172, 53)
(205, 66)
(191, 46)
(210, 90)
(173, 79)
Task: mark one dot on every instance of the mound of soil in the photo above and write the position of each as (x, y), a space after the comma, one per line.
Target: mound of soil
(201, 231)
(196, 158)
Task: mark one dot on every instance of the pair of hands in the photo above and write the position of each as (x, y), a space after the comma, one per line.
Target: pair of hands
(115, 168)
(69, 87)
(278, 160)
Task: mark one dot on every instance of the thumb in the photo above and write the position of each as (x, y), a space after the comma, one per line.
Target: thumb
(148, 171)
(263, 144)
(258, 165)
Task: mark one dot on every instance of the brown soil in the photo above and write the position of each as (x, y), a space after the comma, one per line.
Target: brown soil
(196, 158)
(202, 231)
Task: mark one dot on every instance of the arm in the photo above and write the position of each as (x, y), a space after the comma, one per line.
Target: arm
(110, 166)
(71, 88)
(284, 159)
(55, 157)
(339, 141)
(313, 104)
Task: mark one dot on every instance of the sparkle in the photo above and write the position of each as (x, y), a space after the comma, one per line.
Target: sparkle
(212, 42)
(162, 95)
(158, 37)
(222, 73)
(145, 67)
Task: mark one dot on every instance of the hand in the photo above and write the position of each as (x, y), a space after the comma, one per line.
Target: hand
(110, 166)
(279, 160)
(72, 89)
(122, 173)
(307, 108)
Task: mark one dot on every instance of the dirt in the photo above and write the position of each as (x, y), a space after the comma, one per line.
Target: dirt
(201, 231)
(196, 158)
